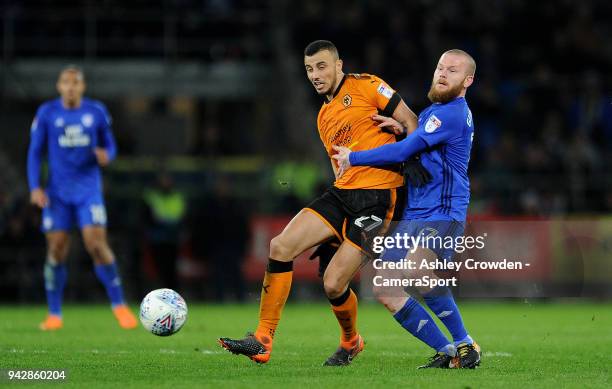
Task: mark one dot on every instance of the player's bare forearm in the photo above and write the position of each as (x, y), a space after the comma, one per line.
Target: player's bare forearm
(404, 115)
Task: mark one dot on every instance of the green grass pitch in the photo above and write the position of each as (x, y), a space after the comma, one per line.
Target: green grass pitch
(540, 345)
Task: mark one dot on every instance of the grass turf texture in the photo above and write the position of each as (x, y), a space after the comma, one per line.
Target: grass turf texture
(525, 345)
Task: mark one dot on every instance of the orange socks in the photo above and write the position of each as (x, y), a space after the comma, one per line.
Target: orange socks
(274, 293)
(345, 309)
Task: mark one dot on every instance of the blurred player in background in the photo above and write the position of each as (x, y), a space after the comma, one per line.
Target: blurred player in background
(75, 134)
(444, 139)
(358, 205)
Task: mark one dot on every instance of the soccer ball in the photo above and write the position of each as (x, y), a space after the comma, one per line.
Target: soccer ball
(163, 312)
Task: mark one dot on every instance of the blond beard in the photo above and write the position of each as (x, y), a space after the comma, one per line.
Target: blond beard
(444, 97)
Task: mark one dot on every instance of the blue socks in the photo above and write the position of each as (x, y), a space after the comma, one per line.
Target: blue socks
(108, 275)
(441, 302)
(416, 320)
(55, 280)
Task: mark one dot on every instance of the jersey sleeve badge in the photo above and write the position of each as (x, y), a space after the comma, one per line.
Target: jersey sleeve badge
(385, 90)
(433, 123)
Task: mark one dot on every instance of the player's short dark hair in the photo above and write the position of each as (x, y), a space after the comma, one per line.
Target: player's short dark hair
(73, 68)
(320, 45)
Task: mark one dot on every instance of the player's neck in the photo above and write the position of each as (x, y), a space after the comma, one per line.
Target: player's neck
(331, 95)
(71, 104)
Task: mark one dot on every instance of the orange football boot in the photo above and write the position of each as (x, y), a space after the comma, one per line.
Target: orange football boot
(51, 323)
(125, 317)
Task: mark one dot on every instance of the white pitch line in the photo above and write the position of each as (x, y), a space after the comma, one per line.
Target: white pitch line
(212, 352)
(502, 354)
(497, 354)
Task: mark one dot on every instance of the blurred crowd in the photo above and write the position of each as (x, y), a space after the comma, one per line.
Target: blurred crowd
(206, 30)
(542, 100)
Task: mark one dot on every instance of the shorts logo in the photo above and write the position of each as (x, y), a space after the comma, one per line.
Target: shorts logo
(385, 90)
(98, 214)
(347, 100)
(47, 223)
(433, 123)
(368, 223)
(428, 231)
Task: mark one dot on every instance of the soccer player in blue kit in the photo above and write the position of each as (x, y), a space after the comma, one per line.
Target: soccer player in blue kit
(444, 140)
(75, 134)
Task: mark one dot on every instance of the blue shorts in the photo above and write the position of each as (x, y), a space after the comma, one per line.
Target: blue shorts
(440, 236)
(61, 214)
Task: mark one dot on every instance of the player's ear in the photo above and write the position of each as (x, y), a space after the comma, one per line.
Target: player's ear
(339, 66)
(468, 81)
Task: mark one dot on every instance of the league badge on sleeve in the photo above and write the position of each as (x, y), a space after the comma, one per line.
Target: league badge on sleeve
(432, 124)
(385, 90)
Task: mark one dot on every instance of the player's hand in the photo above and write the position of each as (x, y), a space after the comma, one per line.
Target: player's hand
(325, 252)
(39, 198)
(342, 157)
(102, 156)
(415, 173)
(388, 124)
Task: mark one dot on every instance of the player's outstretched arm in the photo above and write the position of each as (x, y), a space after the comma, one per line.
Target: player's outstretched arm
(383, 155)
(437, 129)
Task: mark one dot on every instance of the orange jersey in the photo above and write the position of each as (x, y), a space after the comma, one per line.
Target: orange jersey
(346, 120)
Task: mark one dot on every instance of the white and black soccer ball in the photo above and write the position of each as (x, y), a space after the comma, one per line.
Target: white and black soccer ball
(163, 312)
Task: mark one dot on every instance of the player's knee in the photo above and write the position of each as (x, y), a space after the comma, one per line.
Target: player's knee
(378, 292)
(95, 247)
(334, 286)
(382, 294)
(57, 250)
(56, 255)
(280, 250)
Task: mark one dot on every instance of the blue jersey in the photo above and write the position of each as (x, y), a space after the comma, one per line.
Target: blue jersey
(68, 138)
(444, 138)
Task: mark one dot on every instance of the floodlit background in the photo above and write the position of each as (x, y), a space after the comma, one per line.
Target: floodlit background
(210, 101)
